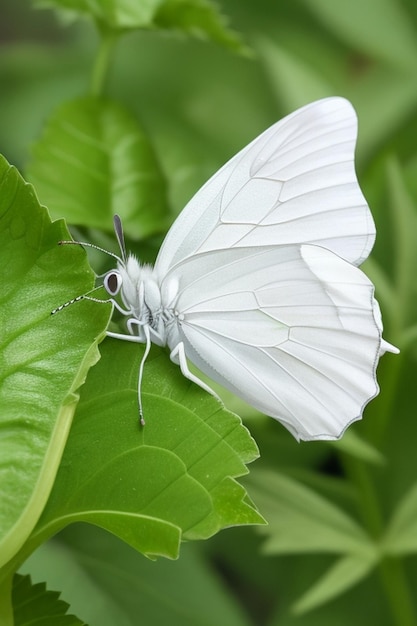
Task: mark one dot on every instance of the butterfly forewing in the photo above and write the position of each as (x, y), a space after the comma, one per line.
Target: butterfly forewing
(294, 184)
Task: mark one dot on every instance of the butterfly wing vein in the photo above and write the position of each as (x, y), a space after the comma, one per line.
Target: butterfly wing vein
(290, 329)
(295, 183)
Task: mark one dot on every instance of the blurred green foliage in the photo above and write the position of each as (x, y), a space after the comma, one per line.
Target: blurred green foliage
(198, 103)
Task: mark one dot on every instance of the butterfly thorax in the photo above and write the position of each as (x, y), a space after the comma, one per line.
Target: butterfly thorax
(141, 294)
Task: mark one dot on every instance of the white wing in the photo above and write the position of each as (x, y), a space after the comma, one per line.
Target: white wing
(290, 329)
(295, 183)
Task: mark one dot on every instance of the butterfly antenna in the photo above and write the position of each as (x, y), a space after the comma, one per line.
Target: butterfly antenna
(90, 245)
(84, 296)
(142, 364)
(118, 229)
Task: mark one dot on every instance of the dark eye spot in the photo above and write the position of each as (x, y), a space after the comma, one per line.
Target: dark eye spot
(112, 283)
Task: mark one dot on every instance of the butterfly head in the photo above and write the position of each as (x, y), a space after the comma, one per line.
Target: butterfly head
(125, 281)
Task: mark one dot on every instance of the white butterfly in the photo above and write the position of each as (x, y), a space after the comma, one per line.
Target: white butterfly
(257, 283)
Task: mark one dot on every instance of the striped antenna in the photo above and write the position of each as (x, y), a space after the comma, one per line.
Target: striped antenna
(90, 245)
(84, 296)
(118, 229)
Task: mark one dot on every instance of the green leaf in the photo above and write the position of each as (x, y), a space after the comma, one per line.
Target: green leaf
(199, 18)
(43, 359)
(33, 604)
(384, 288)
(351, 443)
(152, 486)
(110, 584)
(114, 13)
(404, 231)
(401, 534)
(347, 572)
(93, 161)
(300, 520)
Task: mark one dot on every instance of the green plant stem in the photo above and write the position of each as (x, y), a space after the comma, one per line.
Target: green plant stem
(386, 407)
(101, 66)
(367, 498)
(392, 572)
(398, 591)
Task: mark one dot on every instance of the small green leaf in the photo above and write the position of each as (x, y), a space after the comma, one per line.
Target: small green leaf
(300, 520)
(199, 18)
(155, 485)
(33, 604)
(93, 161)
(116, 14)
(196, 18)
(401, 534)
(43, 359)
(347, 572)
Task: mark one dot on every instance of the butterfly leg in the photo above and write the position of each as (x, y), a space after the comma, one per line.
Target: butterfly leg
(143, 336)
(179, 357)
(147, 340)
(117, 306)
(140, 337)
(125, 337)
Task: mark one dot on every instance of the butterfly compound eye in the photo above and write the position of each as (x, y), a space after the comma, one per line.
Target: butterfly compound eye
(113, 283)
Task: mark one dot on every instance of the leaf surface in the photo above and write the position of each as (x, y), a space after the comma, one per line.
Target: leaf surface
(156, 485)
(34, 604)
(301, 520)
(94, 160)
(43, 359)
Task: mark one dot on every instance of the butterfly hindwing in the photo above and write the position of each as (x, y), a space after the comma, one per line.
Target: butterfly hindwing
(290, 329)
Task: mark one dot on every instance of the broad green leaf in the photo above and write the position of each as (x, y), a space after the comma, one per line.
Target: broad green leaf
(40, 78)
(34, 604)
(110, 584)
(347, 572)
(155, 485)
(43, 359)
(379, 28)
(300, 520)
(93, 161)
(401, 535)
